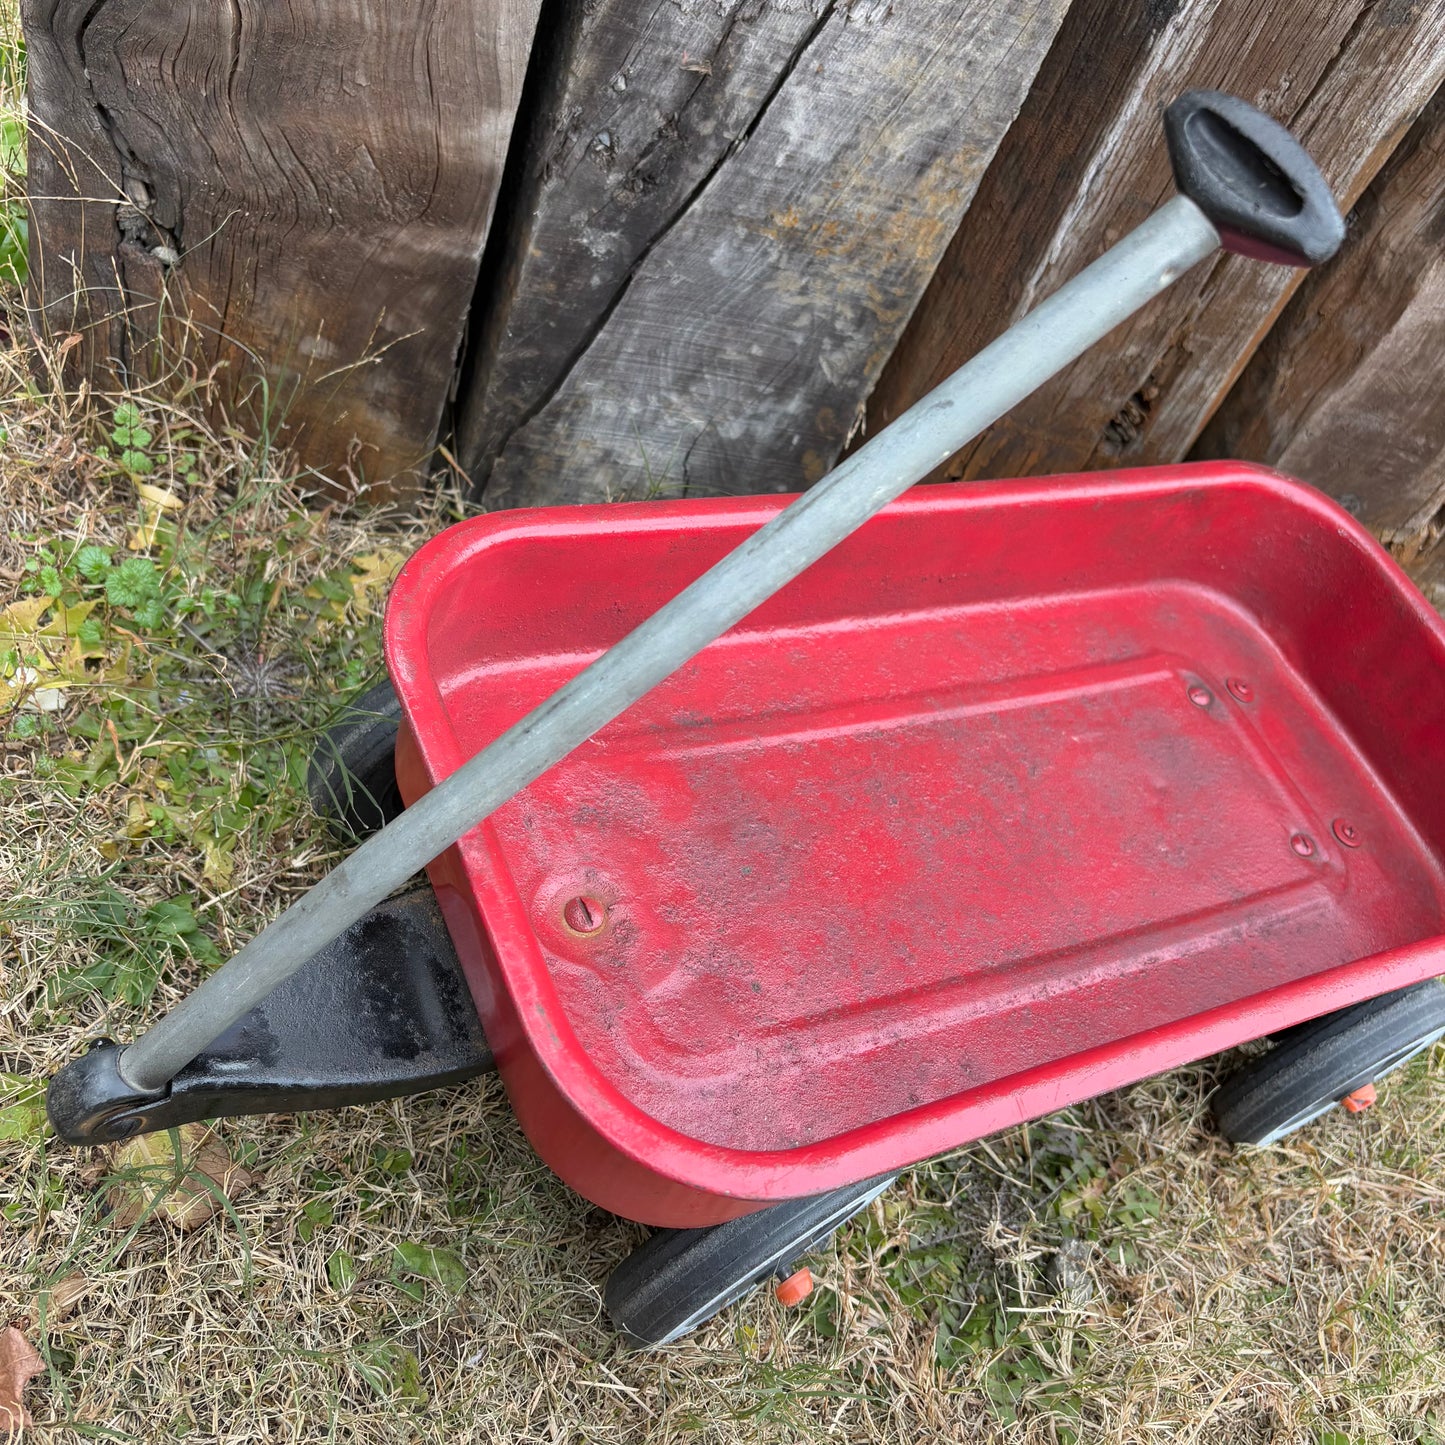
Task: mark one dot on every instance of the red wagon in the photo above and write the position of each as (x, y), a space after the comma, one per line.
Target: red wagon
(1022, 792)
(1027, 791)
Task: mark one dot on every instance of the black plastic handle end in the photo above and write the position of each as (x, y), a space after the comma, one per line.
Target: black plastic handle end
(1253, 179)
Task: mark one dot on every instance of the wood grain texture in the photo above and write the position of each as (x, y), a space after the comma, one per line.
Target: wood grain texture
(297, 192)
(1429, 575)
(1087, 162)
(639, 106)
(712, 280)
(1348, 389)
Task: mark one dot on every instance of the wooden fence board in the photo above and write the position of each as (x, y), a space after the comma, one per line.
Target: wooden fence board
(300, 191)
(1348, 388)
(1085, 164)
(731, 337)
(1429, 573)
(639, 106)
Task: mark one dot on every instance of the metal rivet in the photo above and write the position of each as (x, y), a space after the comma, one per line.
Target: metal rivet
(583, 915)
(1200, 695)
(1302, 844)
(1347, 833)
(1240, 689)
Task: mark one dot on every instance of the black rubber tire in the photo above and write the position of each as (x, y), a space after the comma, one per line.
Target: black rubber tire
(682, 1277)
(352, 777)
(1314, 1065)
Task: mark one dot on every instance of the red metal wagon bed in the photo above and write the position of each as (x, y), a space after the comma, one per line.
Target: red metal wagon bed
(1026, 791)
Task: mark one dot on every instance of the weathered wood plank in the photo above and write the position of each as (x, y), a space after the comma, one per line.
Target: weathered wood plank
(1348, 388)
(1429, 574)
(1085, 163)
(712, 279)
(639, 105)
(298, 192)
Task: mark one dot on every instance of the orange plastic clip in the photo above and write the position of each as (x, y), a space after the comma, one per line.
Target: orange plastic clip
(796, 1288)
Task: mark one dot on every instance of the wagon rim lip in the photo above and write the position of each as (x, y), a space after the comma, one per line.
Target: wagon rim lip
(899, 1140)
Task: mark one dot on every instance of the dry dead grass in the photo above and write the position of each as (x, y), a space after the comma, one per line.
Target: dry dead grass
(1290, 1296)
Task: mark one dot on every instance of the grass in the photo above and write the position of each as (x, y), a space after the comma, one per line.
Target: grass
(408, 1271)
(13, 224)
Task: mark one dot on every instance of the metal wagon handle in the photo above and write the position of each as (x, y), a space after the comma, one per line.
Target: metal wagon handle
(1252, 179)
(1245, 184)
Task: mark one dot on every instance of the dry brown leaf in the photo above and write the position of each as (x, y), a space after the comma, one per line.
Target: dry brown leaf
(65, 1296)
(19, 1364)
(207, 1172)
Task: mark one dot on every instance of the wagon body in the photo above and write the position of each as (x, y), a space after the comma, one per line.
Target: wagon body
(1026, 791)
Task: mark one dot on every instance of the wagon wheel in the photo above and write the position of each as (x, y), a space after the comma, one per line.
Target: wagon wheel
(683, 1277)
(1332, 1060)
(352, 777)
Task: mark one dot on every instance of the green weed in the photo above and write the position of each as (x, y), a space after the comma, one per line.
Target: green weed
(415, 1266)
(180, 675)
(14, 224)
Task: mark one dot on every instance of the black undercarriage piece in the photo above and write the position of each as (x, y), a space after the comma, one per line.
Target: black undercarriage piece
(382, 1011)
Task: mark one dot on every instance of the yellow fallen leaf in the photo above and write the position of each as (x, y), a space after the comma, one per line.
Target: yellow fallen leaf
(65, 619)
(21, 628)
(220, 863)
(187, 1192)
(120, 669)
(158, 496)
(137, 818)
(143, 535)
(21, 678)
(20, 621)
(40, 692)
(77, 651)
(372, 575)
(155, 502)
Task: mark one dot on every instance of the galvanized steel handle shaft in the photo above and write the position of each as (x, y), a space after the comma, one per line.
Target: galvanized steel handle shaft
(1133, 272)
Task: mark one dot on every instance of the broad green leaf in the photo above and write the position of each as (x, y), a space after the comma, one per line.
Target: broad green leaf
(341, 1271)
(391, 1370)
(438, 1266)
(22, 1108)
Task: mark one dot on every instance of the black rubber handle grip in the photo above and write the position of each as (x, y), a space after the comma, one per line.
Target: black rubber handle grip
(1253, 179)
